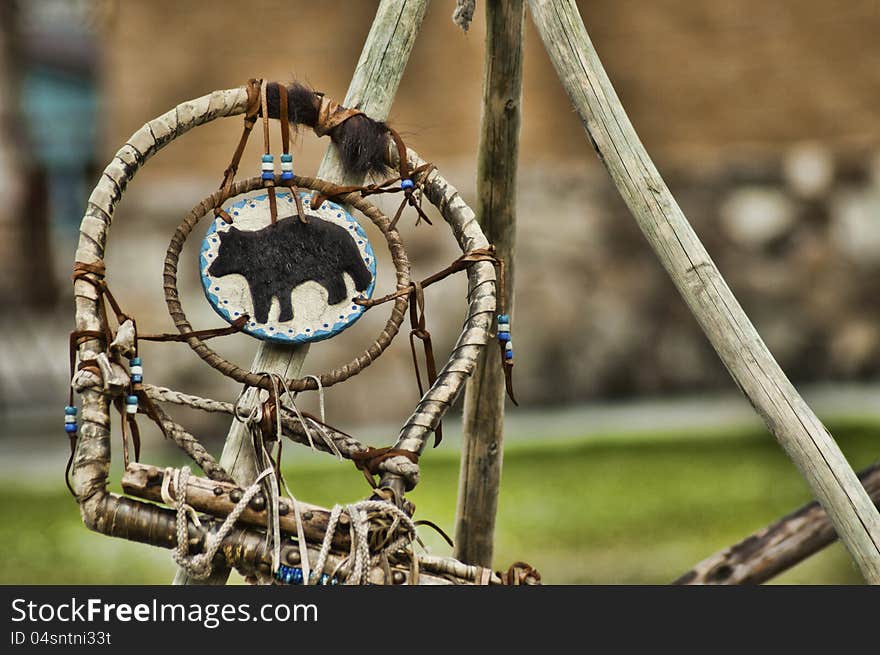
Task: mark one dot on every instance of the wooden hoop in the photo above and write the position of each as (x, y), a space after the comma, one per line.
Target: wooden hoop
(244, 549)
(339, 374)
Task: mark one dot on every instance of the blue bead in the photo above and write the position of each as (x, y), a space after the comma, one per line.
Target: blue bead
(135, 361)
(503, 318)
(508, 354)
(268, 175)
(137, 378)
(286, 157)
(407, 184)
(70, 410)
(287, 175)
(268, 158)
(70, 428)
(504, 336)
(131, 400)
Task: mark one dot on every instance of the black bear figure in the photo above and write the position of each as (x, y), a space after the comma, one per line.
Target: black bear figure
(277, 258)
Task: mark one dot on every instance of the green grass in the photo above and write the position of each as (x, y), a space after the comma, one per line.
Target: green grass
(638, 509)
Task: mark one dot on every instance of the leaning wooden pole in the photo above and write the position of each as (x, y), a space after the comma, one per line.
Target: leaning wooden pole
(372, 90)
(483, 420)
(776, 548)
(792, 422)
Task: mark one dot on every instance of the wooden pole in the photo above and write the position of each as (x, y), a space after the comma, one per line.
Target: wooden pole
(483, 419)
(372, 90)
(776, 548)
(804, 438)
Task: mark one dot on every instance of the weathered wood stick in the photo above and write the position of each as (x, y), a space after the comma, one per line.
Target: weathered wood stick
(219, 498)
(372, 90)
(778, 547)
(248, 550)
(483, 418)
(802, 435)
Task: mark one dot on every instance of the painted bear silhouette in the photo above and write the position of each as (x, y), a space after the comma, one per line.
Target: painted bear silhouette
(278, 258)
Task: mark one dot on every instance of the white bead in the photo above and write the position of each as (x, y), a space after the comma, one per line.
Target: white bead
(504, 327)
(509, 345)
(131, 409)
(137, 370)
(287, 166)
(268, 166)
(69, 419)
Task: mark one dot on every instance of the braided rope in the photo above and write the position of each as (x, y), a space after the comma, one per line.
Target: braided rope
(201, 565)
(360, 560)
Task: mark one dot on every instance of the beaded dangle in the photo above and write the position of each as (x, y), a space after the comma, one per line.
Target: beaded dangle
(286, 166)
(136, 370)
(503, 334)
(504, 337)
(268, 168)
(293, 575)
(136, 373)
(70, 426)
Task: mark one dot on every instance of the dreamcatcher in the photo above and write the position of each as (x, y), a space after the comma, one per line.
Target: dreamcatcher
(285, 259)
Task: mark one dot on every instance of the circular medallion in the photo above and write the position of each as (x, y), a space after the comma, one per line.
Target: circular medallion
(295, 280)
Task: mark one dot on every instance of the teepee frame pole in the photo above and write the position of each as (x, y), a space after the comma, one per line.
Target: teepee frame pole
(801, 434)
(372, 90)
(483, 419)
(776, 548)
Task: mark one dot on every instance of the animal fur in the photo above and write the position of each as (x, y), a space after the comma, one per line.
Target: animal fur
(276, 259)
(361, 141)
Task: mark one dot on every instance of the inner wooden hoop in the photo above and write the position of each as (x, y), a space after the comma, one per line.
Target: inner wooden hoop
(253, 379)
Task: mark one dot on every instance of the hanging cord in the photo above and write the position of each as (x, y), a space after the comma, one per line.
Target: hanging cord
(286, 158)
(411, 186)
(307, 419)
(268, 180)
(459, 264)
(233, 328)
(253, 421)
(420, 331)
(503, 330)
(250, 119)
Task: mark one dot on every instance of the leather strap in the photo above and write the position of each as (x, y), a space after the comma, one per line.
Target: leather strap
(250, 119)
(420, 331)
(283, 117)
(234, 327)
(369, 460)
(331, 114)
(267, 149)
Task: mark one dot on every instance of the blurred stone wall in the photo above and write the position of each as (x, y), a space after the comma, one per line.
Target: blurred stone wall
(761, 115)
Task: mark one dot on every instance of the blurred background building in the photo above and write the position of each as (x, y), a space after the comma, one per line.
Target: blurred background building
(761, 115)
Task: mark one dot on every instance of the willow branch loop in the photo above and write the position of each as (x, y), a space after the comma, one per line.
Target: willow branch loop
(254, 379)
